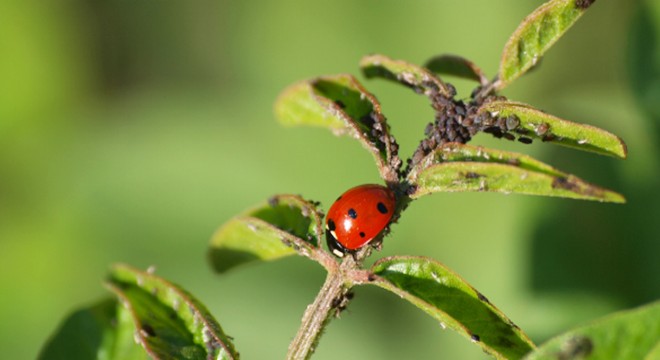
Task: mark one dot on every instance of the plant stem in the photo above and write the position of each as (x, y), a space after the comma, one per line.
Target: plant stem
(318, 314)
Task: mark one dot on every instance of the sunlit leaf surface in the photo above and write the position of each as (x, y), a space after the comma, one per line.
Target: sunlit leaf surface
(457, 167)
(341, 104)
(536, 34)
(275, 229)
(536, 124)
(444, 295)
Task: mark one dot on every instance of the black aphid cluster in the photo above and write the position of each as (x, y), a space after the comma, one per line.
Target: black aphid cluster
(458, 121)
(381, 137)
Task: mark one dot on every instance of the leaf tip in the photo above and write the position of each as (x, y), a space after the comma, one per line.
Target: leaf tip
(617, 198)
(623, 154)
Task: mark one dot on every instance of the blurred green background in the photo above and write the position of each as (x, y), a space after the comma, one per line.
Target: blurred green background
(130, 130)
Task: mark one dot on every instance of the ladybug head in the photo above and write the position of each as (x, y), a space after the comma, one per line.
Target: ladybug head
(333, 244)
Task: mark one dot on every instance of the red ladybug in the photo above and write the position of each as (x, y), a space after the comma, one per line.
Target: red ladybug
(358, 216)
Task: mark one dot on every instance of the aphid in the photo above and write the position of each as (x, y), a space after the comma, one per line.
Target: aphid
(542, 129)
(358, 216)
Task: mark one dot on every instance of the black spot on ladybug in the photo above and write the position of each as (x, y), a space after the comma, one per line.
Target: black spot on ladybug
(381, 208)
(584, 4)
(331, 225)
(475, 338)
(352, 213)
(362, 234)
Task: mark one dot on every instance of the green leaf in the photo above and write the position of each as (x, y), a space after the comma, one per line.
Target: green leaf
(442, 294)
(632, 334)
(536, 34)
(341, 104)
(534, 123)
(456, 66)
(457, 167)
(95, 332)
(280, 227)
(419, 79)
(171, 323)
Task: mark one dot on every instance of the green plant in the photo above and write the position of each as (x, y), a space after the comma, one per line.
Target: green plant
(169, 323)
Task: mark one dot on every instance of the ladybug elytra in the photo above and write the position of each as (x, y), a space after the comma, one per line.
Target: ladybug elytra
(358, 216)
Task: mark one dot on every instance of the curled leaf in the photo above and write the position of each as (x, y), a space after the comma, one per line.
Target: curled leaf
(444, 295)
(456, 66)
(458, 167)
(419, 79)
(536, 124)
(341, 104)
(632, 334)
(281, 227)
(170, 323)
(536, 34)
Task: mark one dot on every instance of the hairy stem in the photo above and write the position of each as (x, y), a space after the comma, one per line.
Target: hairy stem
(318, 314)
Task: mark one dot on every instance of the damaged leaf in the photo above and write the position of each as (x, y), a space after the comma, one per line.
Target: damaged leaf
(536, 124)
(341, 104)
(456, 167)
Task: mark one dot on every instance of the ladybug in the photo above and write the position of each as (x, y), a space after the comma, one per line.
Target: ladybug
(358, 216)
